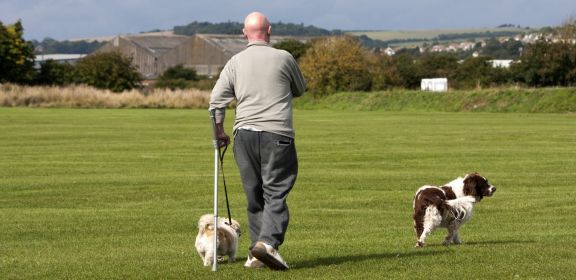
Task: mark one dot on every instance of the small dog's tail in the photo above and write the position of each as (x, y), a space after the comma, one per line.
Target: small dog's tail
(206, 222)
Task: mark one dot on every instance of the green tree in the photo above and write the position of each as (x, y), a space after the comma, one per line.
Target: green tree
(409, 70)
(438, 65)
(16, 55)
(547, 64)
(473, 72)
(478, 72)
(336, 64)
(502, 50)
(177, 77)
(294, 47)
(50, 46)
(109, 70)
(179, 72)
(567, 31)
(386, 73)
(54, 73)
(278, 28)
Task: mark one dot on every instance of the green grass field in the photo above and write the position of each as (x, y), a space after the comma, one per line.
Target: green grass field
(116, 194)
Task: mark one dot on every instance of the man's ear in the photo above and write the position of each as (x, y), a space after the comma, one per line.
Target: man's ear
(244, 32)
(269, 30)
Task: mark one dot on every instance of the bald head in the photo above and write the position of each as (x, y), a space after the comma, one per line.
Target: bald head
(257, 27)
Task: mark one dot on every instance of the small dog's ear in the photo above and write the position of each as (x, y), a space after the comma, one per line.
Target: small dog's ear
(236, 226)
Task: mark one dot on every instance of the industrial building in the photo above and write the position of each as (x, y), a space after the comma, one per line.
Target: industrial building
(152, 54)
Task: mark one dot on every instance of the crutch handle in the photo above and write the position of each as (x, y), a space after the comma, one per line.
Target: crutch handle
(214, 128)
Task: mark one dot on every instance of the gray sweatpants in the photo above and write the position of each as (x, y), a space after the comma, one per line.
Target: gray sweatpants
(268, 166)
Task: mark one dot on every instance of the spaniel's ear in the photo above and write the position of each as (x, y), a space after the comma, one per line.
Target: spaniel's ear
(470, 183)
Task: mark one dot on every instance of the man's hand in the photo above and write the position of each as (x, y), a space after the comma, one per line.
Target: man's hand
(223, 138)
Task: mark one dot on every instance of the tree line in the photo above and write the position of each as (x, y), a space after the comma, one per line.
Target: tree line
(52, 46)
(106, 70)
(333, 64)
(235, 28)
(330, 64)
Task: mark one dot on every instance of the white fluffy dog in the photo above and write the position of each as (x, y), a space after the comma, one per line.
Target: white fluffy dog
(228, 236)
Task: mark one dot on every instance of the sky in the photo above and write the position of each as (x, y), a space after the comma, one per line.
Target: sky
(72, 19)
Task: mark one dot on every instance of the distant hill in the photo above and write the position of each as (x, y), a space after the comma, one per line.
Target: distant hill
(372, 39)
(418, 37)
(51, 46)
(279, 28)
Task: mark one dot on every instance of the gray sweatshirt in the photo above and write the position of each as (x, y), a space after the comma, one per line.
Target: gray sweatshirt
(263, 80)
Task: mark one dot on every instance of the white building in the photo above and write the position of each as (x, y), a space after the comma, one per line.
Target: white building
(501, 63)
(389, 51)
(434, 85)
(61, 58)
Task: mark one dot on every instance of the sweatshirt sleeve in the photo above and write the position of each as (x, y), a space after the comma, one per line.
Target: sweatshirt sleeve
(298, 83)
(223, 92)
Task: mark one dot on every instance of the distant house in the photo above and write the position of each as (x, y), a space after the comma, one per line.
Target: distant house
(453, 47)
(389, 51)
(438, 48)
(501, 63)
(154, 53)
(466, 46)
(434, 85)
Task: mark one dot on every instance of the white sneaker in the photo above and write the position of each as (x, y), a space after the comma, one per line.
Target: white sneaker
(269, 256)
(252, 262)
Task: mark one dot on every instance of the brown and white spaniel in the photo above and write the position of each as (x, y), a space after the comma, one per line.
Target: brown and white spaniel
(449, 206)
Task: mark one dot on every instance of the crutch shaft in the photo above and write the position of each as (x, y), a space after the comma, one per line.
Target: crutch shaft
(215, 248)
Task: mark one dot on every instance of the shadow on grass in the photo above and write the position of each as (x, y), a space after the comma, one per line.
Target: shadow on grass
(335, 260)
(485, 242)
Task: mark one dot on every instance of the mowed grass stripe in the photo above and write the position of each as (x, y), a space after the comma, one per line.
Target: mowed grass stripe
(90, 193)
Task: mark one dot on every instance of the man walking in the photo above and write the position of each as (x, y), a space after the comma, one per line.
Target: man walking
(263, 80)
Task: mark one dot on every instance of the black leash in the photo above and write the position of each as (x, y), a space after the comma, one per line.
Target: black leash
(221, 156)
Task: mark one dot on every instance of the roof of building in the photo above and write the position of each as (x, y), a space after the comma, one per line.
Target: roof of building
(231, 44)
(158, 45)
(58, 57)
(110, 37)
